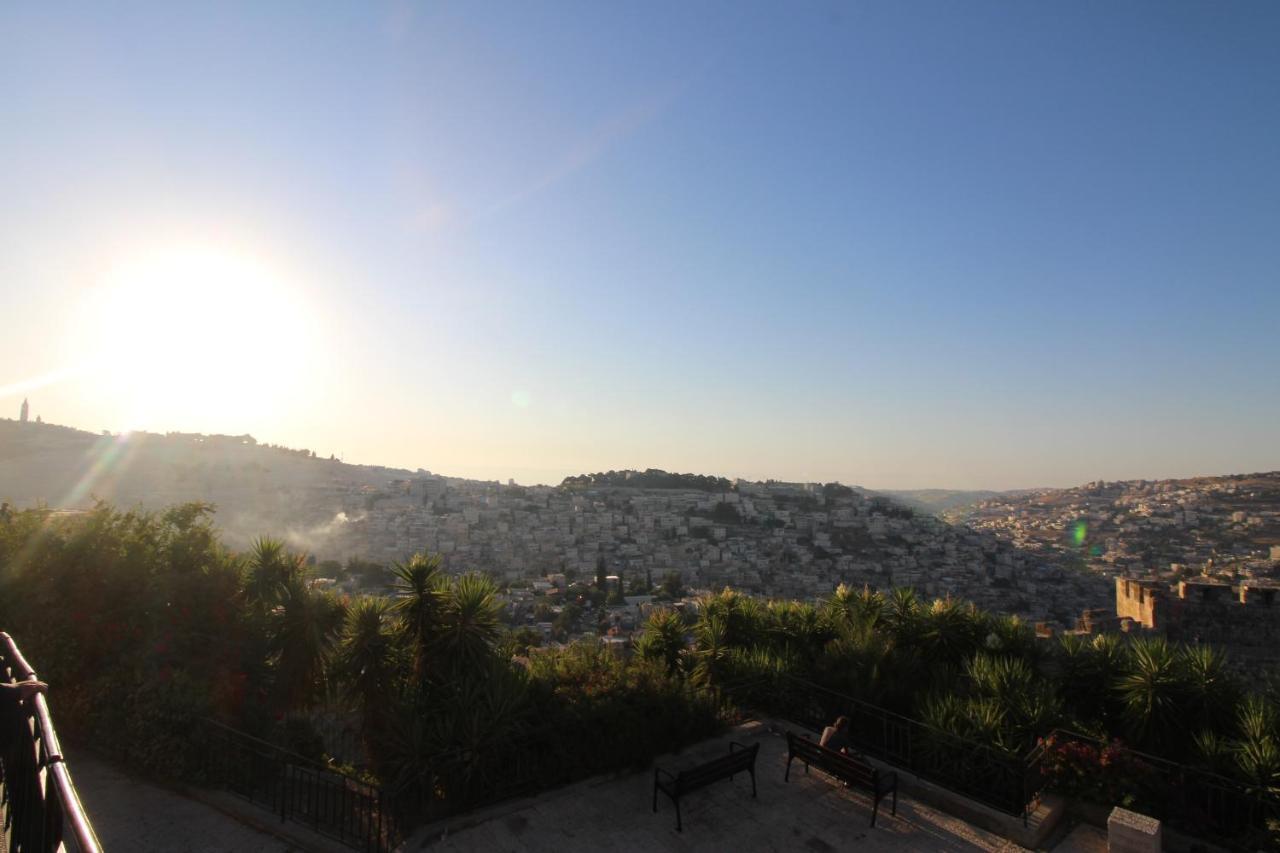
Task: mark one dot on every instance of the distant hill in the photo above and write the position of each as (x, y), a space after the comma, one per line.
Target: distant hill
(1231, 521)
(938, 500)
(651, 478)
(255, 487)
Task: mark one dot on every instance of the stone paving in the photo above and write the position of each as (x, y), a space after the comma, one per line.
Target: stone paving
(133, 815)
(809, 813)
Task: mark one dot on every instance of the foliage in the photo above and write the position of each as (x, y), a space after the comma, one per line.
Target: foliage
(652, 478)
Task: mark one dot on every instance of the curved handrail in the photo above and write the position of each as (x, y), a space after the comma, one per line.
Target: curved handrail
(73, 812)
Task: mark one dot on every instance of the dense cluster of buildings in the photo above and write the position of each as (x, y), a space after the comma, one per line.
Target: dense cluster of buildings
(1225, 527)
(789, 540)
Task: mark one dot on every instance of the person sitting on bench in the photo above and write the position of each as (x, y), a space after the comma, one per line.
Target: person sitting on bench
(836, 736)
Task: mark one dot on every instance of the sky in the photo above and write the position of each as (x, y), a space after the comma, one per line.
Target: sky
(898, 244)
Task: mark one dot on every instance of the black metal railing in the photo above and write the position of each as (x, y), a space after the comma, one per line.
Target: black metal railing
(371, 818)
(338, 805)
(1004, 781)
(541, 758)
(42, 811)
(1191, 799)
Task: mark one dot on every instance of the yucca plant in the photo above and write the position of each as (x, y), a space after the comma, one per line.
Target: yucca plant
(858, 661)
(712, 648)
(663, 640)
(366, 658)
(267, 571)
(949, 631)
(1210, 694)
(1257, 719)
(1151, 690)
(418, 585)
(902, 616)
(305, 635)
(468, 624)
(1214, 752)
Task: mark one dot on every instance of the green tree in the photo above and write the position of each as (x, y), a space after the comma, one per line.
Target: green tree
(663, 640)
(468, 623)
(308, 626)
(418, 585)
(1151, 690)
(367, 658)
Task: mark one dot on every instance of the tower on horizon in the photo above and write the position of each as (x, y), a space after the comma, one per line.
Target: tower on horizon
(26, 410)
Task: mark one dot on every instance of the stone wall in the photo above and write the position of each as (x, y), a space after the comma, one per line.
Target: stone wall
(1243, 620)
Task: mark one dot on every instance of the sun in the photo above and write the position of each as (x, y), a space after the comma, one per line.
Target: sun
(194, 335)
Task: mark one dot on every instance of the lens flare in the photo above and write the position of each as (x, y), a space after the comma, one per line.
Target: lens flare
(1078, 533)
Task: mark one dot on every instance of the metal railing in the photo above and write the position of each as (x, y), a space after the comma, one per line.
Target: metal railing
(42, 811)
(1191, 799)
(335, 804)
(1007, 782)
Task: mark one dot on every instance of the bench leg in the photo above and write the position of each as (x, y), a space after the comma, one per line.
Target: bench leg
(753, 782)
(875, 808)
(655, 797)
(679, 822)
(786, 777)
(895, 799)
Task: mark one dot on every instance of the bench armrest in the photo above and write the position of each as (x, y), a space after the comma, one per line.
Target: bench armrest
(659, 770)
(734, 743)
(887, 780)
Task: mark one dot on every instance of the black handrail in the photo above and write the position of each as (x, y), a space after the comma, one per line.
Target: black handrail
(1195, 800)
(1003, 780)
(42, 809)
(333, 803)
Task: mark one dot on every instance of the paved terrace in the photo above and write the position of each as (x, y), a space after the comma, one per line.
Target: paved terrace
(809, 813)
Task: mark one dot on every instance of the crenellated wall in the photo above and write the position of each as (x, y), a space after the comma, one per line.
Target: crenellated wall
(1243, 620)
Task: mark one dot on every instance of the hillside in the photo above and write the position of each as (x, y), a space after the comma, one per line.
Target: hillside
(772, 538)
(939, 500)
(1144, 525)
(257, 488)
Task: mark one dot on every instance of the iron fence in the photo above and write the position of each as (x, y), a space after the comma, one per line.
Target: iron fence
(335, 804)
(1191, 799)
(42, 810)
(1007, 782)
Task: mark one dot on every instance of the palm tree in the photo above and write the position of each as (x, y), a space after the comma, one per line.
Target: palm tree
(949, 631)
(468, 623)
(795, 628)
(741, 617)
(366, 657)
(857, 661)
(305, 636)
(1152, 689)
(712, 648)
(902, 616)
(663, 639)
(269, 568)
(418, 584)
(1210, 693)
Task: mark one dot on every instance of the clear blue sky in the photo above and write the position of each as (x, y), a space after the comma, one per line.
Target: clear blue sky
(897, 244)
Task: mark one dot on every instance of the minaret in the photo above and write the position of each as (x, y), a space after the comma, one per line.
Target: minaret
(26, 410)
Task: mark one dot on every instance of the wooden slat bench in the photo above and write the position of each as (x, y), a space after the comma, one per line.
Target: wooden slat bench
(740, 759)
(847, 768)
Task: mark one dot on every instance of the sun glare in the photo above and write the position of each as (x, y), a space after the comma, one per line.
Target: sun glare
(193, 335)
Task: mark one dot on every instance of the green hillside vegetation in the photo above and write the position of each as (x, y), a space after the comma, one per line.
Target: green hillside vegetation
(652, 478)
(143, 623)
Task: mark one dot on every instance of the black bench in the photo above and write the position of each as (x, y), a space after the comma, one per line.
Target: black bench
(740, 758)
(849, 769)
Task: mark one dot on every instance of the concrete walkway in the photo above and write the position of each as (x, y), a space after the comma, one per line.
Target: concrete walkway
(130, 814)
(810, 813)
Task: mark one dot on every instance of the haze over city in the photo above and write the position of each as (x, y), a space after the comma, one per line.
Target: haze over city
(978, 246)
